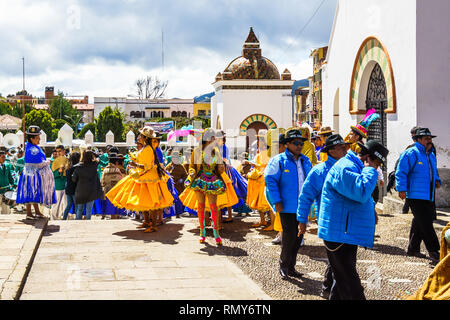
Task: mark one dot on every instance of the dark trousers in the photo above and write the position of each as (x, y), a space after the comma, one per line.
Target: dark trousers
(328, 279)
(422, 226)
(346, 281)
(290, 242)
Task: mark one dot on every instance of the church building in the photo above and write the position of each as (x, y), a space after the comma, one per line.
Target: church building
(251, 93)
(391, 56)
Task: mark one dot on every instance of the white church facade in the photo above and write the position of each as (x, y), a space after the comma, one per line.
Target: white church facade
(392, 56)
(251, 94)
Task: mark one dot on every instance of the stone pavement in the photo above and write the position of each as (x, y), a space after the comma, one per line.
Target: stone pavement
(18, 240)
(111, 259)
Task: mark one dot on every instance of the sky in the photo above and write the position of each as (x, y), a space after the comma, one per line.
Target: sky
(100, 48)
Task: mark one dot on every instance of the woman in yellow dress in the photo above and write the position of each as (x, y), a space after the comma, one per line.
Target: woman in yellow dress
(256, 199)
(145, 188)
(207, 185)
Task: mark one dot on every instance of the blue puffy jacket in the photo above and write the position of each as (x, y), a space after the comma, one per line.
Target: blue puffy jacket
(417, 173)
(281, 179)
(312, 189)
(347, 210)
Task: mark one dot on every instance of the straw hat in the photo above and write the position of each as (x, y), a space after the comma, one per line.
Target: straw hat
(148, 132)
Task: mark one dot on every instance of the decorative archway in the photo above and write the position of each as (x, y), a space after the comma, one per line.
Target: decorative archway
(256, 118)
(371, 53)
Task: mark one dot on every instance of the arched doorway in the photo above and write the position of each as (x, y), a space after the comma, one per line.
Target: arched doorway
(250, 139)
(377, 99)
(336, 112)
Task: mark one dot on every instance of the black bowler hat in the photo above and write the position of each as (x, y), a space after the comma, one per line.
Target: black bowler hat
(33, 131)
(376, 149)
(332, 141)
(293, 134)
(424, 132)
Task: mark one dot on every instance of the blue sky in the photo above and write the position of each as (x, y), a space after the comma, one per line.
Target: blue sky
(99, 48)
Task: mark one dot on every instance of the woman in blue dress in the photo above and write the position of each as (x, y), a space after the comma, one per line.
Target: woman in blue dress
(36, 183)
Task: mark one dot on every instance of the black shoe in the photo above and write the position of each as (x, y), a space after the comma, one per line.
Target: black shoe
(416, 254)
(294, 273)
(434, 256)
(325, 294)
(284, 273)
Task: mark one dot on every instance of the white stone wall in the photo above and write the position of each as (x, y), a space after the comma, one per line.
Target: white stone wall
(234, 105)
(393, 23)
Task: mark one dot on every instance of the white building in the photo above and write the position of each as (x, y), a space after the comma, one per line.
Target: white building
(251, 94)
(146, 108)
(391, 56)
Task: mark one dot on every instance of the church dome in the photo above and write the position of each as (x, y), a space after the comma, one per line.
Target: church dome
(251, 65)
(262, 68)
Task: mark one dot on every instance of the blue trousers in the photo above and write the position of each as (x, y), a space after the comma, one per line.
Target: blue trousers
(80, 209)
(70, 201)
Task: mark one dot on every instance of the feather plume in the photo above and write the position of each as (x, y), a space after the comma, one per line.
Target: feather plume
(370, 117)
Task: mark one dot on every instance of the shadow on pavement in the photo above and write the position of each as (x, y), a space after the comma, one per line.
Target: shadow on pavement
(387, 249)
(166, 234)
(49, 229)
(213, 250)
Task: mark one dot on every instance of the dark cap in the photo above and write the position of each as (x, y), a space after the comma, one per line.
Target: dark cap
(332, 141)
(33, 131)
(114, 156)
(376, 149)
(293, 134)
(424, 132)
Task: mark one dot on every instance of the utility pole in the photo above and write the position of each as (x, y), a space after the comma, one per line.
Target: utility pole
(162, 48)
(23, 102)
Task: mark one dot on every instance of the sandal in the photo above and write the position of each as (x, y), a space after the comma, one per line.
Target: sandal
(142, 226)
(149, 230)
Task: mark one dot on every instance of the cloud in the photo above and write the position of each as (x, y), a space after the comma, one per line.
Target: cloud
(77, 46)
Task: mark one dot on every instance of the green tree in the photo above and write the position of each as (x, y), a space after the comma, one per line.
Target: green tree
(110, 119)
(44, 120)
(90, 126)
(61, 108)
(5, 108)
(17, 109)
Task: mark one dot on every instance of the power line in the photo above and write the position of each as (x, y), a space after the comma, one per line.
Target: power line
(305, 26)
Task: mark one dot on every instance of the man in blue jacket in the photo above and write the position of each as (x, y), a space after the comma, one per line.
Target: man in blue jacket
(416, 180)
(347, 216)
(336, 148)
(284, 177)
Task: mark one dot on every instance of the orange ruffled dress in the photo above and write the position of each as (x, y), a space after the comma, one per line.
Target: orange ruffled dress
(224, 200)
(142, 189)
(256, 198)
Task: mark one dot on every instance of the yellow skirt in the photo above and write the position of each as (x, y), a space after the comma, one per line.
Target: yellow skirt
(256, 198)
(134, 195)
(224, 200)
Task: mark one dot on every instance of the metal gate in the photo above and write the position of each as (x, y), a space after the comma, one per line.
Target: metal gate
(377, 99)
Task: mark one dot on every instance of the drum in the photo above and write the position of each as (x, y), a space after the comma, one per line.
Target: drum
(9, 198)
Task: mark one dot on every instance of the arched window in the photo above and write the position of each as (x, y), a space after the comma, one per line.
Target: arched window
(184, 114)
(174, 113)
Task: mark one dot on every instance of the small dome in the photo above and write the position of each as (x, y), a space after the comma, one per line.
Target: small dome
(251, 64)
(262, 68)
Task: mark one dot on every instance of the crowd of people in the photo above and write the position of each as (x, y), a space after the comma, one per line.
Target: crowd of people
(294, 176)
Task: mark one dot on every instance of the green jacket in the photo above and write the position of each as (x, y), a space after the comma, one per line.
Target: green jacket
(7, 182)
(102, 164)
(60, 180)
(20, 164)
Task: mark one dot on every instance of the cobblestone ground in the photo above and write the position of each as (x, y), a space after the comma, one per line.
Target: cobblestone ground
(385, 271)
